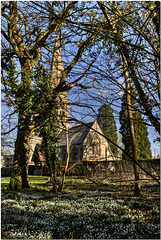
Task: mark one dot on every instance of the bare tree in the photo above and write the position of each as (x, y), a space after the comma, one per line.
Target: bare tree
(29, 29)
(23, 32)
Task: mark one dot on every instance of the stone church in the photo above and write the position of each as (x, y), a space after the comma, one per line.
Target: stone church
(84, 140)
(85, 143)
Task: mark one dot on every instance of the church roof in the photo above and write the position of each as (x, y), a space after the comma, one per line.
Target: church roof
(76, 134)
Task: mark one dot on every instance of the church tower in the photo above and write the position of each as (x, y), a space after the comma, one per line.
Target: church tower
(56, 74)
(62, 99)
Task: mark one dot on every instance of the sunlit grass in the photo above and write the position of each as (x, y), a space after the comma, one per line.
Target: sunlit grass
(45, 181)
(38, 180)
(4, 182)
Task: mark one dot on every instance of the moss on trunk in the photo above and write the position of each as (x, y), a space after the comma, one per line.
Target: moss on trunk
(19, 175)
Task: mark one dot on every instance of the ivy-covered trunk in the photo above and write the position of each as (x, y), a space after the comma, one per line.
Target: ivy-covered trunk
(52, 165)
(19, 174)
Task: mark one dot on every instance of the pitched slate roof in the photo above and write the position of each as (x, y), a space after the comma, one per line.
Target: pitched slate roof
(76, 134)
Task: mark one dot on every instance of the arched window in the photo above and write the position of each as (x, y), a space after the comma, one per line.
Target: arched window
(96, 145)
(74, 153)
(64, 154)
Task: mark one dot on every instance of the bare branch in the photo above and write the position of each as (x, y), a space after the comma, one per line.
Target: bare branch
(5, 133)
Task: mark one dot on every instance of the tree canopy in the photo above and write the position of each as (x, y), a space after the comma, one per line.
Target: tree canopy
(107, 124)
(140, 128)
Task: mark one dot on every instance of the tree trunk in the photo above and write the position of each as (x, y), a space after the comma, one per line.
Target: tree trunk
(67, 162)
(132, 133)
(120, 43)
(19, 174)
(53, 176)
(134, 150)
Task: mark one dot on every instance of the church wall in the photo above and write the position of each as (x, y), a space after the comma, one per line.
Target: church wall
(33, 141)
(103, 150)
(63, 151)
(75, 155)
(7, 160)
(93, 147)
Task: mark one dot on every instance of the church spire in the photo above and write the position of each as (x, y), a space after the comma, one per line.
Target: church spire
(57, 63)
(56, 74)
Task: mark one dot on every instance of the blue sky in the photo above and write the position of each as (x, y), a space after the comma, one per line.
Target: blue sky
(86, 115)
(75, 95)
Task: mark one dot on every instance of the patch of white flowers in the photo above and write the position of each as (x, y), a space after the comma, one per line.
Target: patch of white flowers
(82, 216)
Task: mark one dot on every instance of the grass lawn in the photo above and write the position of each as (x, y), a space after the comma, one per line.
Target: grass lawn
(43, 181)
(34, 180)
(84, 210)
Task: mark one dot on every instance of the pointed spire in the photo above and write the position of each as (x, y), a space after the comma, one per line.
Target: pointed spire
(57, 63)
(56, 74)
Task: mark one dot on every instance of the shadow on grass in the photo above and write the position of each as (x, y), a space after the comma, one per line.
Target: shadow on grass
(82, 184)
(75, 224)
